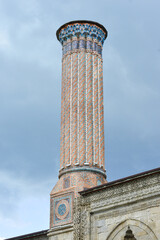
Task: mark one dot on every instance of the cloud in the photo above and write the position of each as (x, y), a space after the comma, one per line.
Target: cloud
(4, 41)
(21, 203)
(30, 86)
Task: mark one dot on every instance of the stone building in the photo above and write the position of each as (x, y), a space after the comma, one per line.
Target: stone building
(83, 205)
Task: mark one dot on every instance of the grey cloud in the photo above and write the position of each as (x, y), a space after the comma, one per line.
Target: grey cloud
(30, 82)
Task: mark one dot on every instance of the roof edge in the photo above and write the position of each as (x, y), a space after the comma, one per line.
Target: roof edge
(119, 181)
(30, 235)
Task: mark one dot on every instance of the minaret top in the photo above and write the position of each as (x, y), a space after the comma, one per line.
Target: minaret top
(82, 35)
(82, 27)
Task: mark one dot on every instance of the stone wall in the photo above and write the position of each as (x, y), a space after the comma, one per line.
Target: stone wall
(63, 232)
(104, 213)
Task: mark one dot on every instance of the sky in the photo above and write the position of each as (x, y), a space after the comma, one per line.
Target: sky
(30, 89)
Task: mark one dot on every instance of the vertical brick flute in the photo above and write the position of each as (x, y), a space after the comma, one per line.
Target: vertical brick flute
(82, 119)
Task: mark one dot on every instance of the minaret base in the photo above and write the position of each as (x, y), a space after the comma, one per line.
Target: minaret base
(67, 188)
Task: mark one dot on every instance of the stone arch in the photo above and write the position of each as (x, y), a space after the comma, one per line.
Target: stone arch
(132, 223)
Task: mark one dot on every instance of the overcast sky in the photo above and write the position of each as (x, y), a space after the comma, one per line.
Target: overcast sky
(30, 88)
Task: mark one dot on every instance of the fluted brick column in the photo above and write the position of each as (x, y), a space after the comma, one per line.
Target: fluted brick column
(82, 118)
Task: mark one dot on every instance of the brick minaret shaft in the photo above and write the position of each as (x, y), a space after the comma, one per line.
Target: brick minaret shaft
(82, 118)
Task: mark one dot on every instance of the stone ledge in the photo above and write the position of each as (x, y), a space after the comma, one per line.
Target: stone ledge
(60, 229)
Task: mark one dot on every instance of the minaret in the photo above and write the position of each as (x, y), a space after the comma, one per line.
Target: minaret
(82, 163)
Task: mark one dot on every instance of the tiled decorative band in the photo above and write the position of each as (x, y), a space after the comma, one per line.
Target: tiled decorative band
(84, 46)
(82, 35)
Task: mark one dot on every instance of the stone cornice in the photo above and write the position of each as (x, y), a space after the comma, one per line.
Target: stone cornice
(121, 181)
(60, 229)
(137, 189)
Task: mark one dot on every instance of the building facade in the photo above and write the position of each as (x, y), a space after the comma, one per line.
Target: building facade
(83, 205)
(107, 211)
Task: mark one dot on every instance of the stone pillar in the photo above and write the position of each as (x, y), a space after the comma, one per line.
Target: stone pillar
(82, 119)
